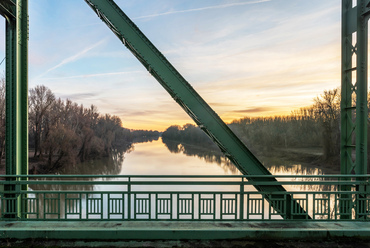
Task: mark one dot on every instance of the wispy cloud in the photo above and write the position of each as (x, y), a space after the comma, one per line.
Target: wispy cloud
(72, 58)
(78, 95)
(255, 110)
(202, 9)
(94, 75)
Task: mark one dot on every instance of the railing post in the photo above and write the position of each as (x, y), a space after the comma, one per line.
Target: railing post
(129, 199)
(241, 206)
(10, 200)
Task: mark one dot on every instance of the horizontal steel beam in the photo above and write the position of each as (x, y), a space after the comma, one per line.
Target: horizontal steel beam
(113, 232)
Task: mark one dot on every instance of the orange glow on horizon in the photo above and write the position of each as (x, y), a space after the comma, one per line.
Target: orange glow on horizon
(161, 127)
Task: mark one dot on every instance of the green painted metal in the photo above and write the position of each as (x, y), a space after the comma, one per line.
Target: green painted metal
(353, 135)
(185, 198)
(354, 110)
(347, 126)
(183, 93)
(361, 87)
(16, 14)
(56, 234)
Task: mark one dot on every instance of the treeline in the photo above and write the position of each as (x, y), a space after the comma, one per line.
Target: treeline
(65, 132)
(315, 126)
(189, 134)
(62, 132)
(142, 136)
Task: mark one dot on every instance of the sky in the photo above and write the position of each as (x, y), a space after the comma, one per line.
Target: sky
(244, 57)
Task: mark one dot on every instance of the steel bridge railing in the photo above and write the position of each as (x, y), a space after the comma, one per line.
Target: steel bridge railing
(190, 198)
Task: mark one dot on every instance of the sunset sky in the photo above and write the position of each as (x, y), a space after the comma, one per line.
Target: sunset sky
(244, 57)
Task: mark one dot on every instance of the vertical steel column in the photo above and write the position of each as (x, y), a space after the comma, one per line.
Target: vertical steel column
(361, 89)
(17, 99)
(10, 77)
(22, 94)
(354, 133)
(354, 110)
(349, 26)
(22, 86)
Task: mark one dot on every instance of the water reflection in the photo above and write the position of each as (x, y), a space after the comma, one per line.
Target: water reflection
(208, 155)
(158, 157)
(105, 166)
(145, 139)
(170, 158)
(277, 166)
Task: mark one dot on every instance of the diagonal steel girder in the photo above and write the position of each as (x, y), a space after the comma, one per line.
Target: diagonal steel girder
(193, 104)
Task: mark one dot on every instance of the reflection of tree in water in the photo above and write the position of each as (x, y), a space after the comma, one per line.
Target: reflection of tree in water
(172, 146)
(47, 201)
(107, 166)
(277, 166)
(297, 169)
(281, 166)
(145, 139)
(209, 155)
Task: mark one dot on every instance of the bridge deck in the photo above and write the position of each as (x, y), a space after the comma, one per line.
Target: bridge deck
(128, 230)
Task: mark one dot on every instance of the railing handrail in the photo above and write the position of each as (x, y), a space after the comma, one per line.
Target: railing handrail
(337, 180)
(246, 183)
(186, 176)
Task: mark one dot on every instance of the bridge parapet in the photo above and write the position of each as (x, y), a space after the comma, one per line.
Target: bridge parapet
(183, 198)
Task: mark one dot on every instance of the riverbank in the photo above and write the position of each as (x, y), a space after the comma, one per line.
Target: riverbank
(38, 165)
(33, 164)
(307, 157)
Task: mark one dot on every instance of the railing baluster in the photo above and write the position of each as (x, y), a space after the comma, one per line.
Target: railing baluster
(129, 198)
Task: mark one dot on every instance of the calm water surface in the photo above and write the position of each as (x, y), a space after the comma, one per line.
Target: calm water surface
(155, 158)
(158, 158)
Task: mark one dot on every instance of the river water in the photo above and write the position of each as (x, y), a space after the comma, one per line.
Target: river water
(158, 158)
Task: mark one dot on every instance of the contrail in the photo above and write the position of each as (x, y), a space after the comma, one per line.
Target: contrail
(201, 9)
(72, 58)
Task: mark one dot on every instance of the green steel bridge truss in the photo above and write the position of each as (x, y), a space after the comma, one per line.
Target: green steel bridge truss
(353, 116)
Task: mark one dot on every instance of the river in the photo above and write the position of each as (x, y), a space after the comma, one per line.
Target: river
(158, 158)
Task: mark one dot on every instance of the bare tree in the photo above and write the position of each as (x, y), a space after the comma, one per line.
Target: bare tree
(40, 100)
(327, 107)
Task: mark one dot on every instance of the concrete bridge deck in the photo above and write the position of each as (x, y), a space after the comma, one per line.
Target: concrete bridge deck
(162, 230)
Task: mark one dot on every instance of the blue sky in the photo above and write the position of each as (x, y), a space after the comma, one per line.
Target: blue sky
(244, 57)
